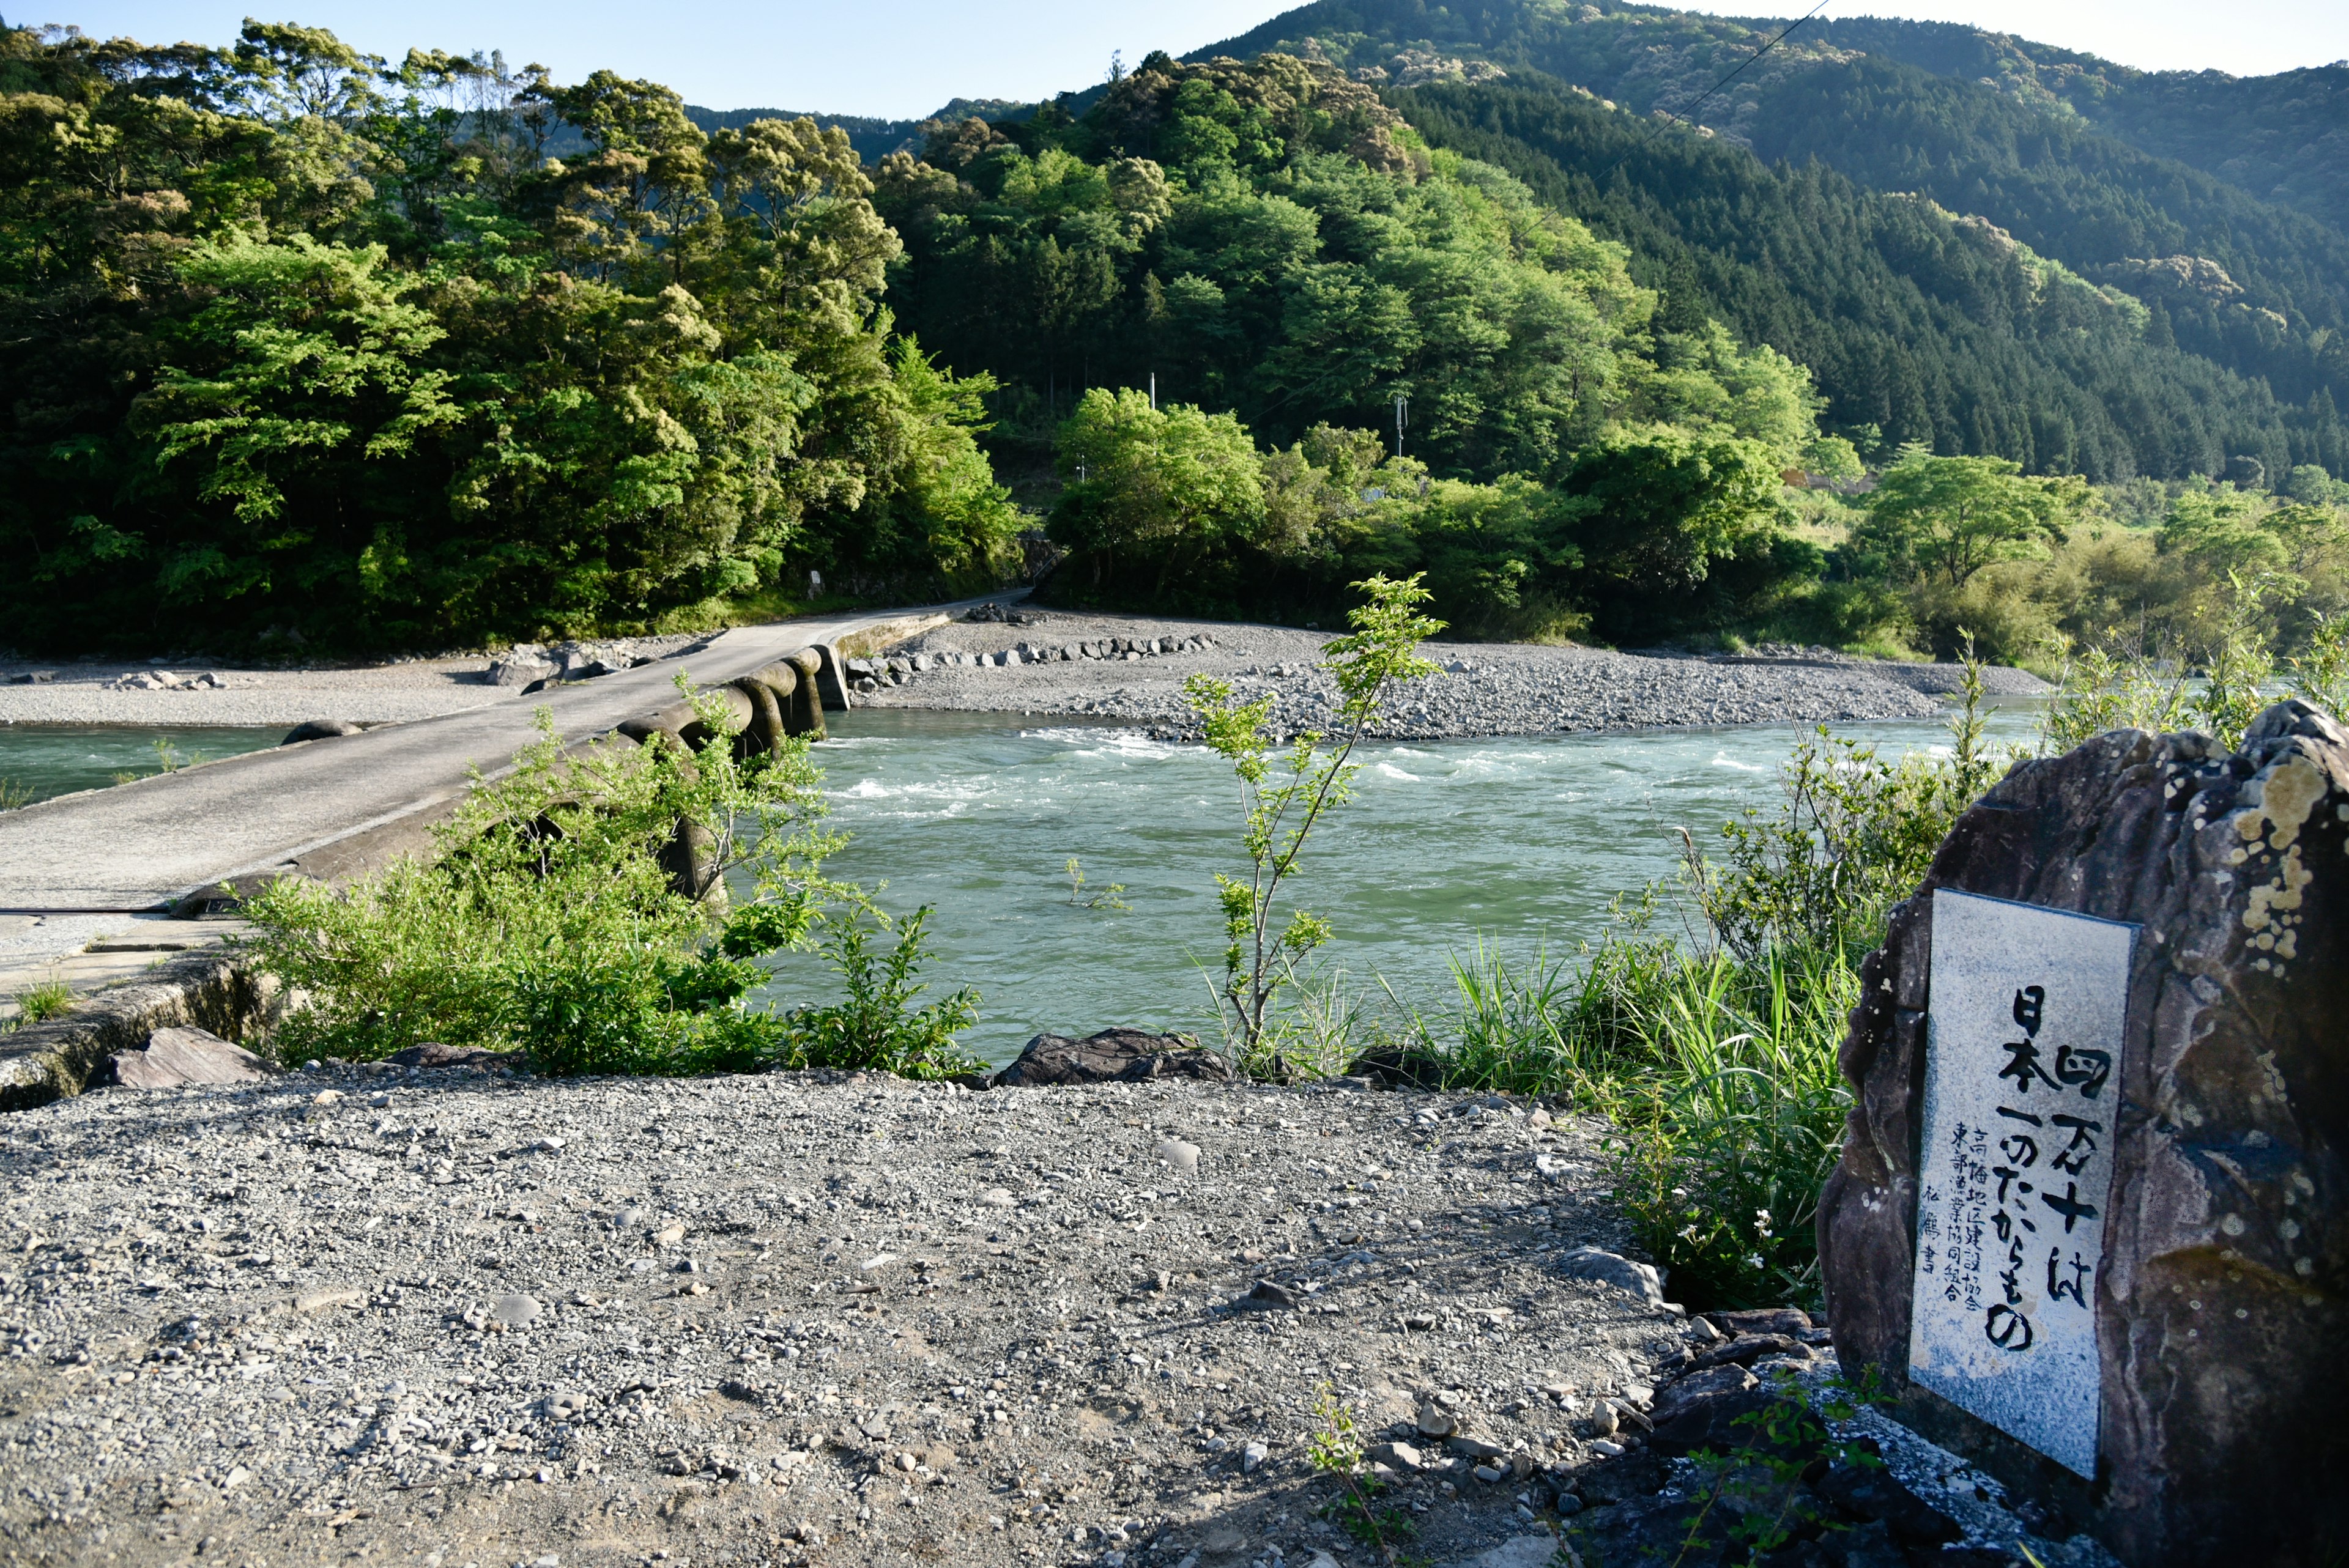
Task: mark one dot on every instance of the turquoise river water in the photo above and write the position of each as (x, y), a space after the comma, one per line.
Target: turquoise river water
(1521, 841)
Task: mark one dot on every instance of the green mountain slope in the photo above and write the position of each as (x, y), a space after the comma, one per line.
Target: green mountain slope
(2244, 344)
(1932, 328)
(2284, 136)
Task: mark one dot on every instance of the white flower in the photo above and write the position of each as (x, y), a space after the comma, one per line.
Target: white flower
(1753, 1262)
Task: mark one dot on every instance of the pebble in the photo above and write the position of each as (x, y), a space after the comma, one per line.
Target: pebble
(1033, 1338)
(1484, 689)
(515, 1310)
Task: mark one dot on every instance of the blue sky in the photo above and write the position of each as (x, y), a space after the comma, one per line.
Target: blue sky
(905, 57)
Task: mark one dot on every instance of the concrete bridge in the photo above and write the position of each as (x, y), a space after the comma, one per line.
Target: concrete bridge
(328, 808)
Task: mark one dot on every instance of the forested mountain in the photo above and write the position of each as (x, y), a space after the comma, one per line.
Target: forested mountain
(1931, 326)
(300, 348)
(2243, 284)
(2284, 136)
(305, 345)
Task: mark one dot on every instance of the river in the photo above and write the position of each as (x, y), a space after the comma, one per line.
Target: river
(1523, 841)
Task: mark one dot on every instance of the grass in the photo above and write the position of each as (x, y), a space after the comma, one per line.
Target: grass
(39, 1003)
(1718, 1074)
(14, 796)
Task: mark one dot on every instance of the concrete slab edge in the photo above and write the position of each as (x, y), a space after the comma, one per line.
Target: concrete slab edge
(211, 990)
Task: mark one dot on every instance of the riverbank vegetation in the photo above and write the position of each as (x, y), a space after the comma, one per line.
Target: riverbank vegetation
(605, 912)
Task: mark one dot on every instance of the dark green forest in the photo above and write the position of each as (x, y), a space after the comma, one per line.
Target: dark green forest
(2253, 285)
(306, 350)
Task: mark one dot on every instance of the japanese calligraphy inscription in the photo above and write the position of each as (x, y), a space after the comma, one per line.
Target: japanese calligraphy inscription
(2023, 1048)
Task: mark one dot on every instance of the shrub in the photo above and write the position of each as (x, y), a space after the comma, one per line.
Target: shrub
(558, 916)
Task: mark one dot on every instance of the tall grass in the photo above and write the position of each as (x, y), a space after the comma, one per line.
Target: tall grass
(1716, 1073)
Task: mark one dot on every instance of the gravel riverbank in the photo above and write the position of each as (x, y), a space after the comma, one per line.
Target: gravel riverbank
(1104, 666)
(451, 1318)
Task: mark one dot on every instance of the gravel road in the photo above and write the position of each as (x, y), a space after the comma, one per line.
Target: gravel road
(1484, 689)
(456, 1318)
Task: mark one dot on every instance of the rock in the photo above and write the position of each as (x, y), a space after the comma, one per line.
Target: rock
(1475, 1447)
(1488, 1474)
(185, 1055)
(319, 729)
(1400, 1455)
(515, 1310)
(520, 671)
(1710, 1384)
(433, 1054)
(1435, 1420)
(1252, 1456)
(1717, 1423)
(1534, 1550)
(1124, 1054)
(1785, 1320)
(1268, 1297)
(1746, 1349)
(1182, 1156)
(1631, 1475)
(2224, 1294)
(1642, 1280)
(1399, 1067)
(1870, 1492)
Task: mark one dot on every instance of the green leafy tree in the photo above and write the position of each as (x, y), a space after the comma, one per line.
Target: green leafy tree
(1284, 796)
(1164, 487)
(1945, 518)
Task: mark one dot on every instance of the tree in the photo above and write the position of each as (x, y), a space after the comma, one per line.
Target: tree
(1282, 801)
(1945, 518)
(1164, 486)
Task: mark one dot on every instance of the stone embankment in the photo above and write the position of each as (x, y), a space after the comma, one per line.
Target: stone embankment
(1133, 669)
(456, 1316)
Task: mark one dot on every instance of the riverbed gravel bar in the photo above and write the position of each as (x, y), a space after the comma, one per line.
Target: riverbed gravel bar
(1133, 669)
(458, 1317)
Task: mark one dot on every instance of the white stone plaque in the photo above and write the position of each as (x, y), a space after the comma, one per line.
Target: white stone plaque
(2023, 1051)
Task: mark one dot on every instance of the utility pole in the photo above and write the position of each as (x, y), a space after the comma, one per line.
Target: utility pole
(1154, 391)
(1402, 401)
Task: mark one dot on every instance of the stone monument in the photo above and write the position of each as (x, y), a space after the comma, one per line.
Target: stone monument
(2087, 1226)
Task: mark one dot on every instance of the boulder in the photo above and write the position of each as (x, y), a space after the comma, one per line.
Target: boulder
(1642, 1280)
(185, 1055)
(1125, 1055)
(520, 671)
(2219, 1305)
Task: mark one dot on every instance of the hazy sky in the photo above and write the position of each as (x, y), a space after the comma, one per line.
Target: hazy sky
(905, 57)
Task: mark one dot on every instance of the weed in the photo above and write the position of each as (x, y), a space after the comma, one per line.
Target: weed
(1281, 805)
(2321, 675)
(14, 796)
(1335, 1449)
(38, 1004)
(1112, 898)
(877, 1027)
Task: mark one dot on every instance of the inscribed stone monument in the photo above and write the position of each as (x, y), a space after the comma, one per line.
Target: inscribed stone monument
(2015, 1167)
(2220, 1286)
